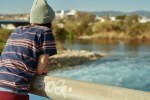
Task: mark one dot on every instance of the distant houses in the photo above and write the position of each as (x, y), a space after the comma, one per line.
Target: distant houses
(71, 13)
(74, 14)
(60, 15)
(144, 19)
(63, 15)
(104, 19)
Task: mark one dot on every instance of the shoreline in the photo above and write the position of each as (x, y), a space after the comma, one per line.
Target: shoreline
(69, 59)
(114, 35)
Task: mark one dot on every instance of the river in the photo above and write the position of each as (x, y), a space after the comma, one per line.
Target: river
(127, 64)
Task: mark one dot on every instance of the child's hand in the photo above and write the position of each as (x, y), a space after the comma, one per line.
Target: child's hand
(41, 71)
(42, 65)
(45, 71)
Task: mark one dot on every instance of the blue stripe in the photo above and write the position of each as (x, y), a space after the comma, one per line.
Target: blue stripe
(18, 72)
(26, 51)
(32, 66)
(12, 78)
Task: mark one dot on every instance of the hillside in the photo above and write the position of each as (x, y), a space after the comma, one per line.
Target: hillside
(117, 13)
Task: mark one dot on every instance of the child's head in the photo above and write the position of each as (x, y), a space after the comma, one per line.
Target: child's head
(41, 13)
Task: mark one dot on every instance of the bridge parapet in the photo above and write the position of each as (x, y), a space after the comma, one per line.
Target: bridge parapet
(12, 24)
(58, 88)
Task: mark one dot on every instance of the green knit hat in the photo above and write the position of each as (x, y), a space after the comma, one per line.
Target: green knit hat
(41, 12)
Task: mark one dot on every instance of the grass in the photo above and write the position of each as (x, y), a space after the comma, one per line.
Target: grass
(4, 34)
(2, 44)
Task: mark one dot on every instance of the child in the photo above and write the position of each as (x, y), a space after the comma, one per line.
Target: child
(26, 53)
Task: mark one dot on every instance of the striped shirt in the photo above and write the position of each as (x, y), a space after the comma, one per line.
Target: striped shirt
(18, 61)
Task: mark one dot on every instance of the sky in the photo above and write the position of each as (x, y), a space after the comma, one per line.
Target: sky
(24, 6)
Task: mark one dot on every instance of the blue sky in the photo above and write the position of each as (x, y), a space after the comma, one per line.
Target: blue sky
(24, 6)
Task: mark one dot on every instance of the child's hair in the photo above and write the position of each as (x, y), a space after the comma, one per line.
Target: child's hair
(49, 25)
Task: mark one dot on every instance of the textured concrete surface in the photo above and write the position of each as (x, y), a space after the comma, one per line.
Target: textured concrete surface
(58, 88)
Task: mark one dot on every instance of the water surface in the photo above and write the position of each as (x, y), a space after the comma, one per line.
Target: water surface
(127, 64)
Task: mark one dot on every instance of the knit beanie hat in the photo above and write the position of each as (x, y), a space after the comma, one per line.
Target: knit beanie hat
(41, 12)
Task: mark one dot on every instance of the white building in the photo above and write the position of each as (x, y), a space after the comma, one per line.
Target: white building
(112, 18)
(60, 15)
(101, 19)
(71, 13)
(144, 20)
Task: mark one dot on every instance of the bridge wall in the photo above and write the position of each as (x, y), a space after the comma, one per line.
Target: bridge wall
(59, 88)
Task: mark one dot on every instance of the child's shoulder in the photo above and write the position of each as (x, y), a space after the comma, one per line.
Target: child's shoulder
(35, 27)
(42, 28)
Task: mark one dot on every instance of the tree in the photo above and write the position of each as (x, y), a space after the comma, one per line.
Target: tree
(131, 19)
(121, 17)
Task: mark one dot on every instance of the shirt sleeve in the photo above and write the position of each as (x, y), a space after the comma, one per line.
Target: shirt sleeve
(47, 44)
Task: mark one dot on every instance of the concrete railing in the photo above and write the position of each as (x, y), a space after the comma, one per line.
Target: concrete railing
(58, 88)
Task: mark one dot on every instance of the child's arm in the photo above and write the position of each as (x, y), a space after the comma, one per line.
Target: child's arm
(42, 64)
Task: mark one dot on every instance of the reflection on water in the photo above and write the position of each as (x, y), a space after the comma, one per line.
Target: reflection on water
(113, 47)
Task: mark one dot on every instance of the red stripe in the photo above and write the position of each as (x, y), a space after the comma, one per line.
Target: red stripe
(14, 75)
(13, 84)
(16, 64)
(26, 41)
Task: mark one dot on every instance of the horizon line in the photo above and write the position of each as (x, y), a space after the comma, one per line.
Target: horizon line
(83, 11)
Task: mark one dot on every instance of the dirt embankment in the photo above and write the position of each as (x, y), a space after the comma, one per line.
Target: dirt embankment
(69, 58)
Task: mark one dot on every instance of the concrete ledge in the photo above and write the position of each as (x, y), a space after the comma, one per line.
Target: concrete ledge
(59, 88)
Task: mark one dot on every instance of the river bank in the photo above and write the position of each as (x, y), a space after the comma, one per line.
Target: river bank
(67, 59)
(115, 35)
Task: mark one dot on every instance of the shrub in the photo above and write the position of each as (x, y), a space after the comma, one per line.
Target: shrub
(4, 34)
